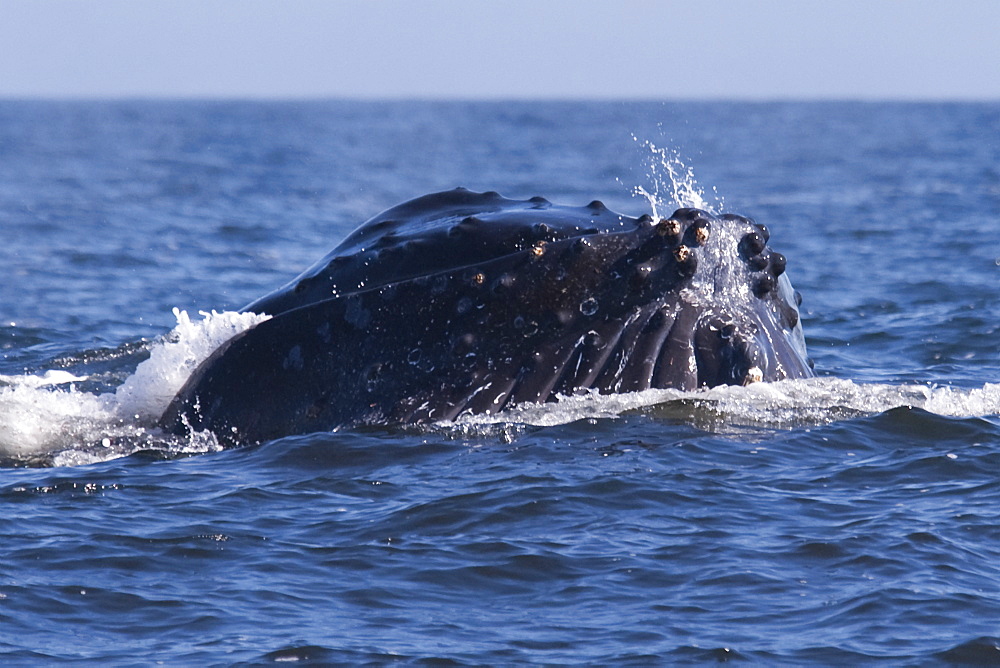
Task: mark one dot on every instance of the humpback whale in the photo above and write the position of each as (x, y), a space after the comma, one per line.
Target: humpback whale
(463, 303)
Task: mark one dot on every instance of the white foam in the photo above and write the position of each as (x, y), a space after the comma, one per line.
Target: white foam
(785, 404)
(46, 415)
(49, 378)
(35, 419)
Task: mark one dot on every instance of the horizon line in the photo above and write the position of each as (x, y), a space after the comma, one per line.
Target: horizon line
(465, 99)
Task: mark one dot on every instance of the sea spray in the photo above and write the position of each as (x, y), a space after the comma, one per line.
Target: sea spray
(673, 184)
(46, 416)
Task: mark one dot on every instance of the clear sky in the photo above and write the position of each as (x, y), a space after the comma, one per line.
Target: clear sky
(749, 49)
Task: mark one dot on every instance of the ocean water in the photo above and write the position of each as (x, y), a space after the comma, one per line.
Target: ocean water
(851, 518)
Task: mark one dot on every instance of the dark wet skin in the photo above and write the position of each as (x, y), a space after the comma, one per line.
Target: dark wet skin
(461, 302)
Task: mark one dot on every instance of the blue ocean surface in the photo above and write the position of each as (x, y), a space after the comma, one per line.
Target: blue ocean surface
(849, 519)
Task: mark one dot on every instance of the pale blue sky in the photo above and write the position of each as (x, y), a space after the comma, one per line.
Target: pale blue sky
(751, 49)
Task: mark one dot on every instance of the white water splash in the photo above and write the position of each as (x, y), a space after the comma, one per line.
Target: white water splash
(145, 394)
(787, 404)
(673, 184)
(47, 415)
